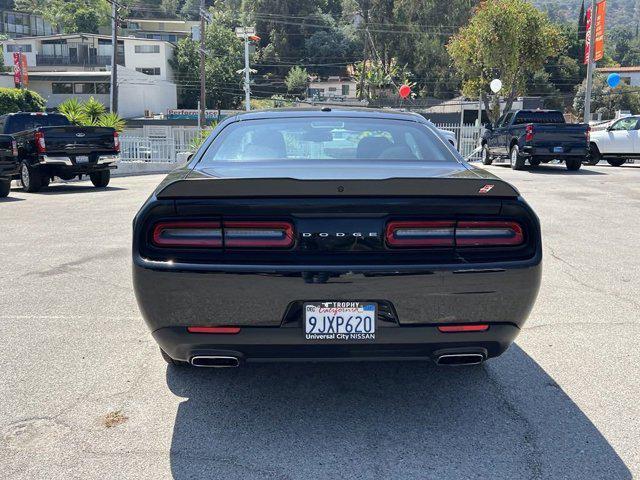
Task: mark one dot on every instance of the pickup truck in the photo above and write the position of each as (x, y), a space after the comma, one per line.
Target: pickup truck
(536, 136)
(618, 143)
(49, 146)
(8, 163)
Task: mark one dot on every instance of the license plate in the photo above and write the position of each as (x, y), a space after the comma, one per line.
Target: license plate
(340, 321)
(558, 149)
(82, 159)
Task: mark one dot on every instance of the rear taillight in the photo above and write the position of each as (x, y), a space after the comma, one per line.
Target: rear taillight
(445, 233)
(588, 133)
(489, 233)
(420, 234)
(187, 234)
(529, 131)
(116, 141)
(258, 234)
(14, 148)
(40, 143)
(207, 234)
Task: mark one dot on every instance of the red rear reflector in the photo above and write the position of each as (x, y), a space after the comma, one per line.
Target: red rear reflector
(420, 234)
(227, 330)
(464, 328)
(258, 234)
(187, 234)
(488, 233)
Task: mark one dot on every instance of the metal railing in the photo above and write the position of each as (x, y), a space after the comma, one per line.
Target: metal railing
(468, 137)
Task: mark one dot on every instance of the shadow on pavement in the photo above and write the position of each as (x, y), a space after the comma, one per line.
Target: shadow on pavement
(65, 188)
(10, 199)
(507, 419)
(557, 169)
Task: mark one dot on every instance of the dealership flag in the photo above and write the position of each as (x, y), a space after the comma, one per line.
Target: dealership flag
(598, 53)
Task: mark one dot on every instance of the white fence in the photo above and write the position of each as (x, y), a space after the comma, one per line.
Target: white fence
(468, 137)
(135, 146)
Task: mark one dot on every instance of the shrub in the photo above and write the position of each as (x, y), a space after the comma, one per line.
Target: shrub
(20, 100)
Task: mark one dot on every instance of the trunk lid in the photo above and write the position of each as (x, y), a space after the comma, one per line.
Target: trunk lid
(74, 140)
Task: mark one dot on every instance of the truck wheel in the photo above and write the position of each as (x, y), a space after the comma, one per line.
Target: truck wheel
(5, 188)
(594, 156)
(101, 178)
(45, 180)
(534, 161)
(616, 162)
(573, 164)
(517, 162)
(30, 177)
(485, 155)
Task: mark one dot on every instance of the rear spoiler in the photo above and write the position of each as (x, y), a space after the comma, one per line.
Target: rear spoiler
(289, 187)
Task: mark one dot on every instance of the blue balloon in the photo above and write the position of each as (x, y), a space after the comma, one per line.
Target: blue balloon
(613, 80)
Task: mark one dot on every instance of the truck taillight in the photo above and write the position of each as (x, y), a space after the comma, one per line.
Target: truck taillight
(588, 133)
(14, 148)
(529, 131)
(116, 141)
(445, 233)
(40, 143)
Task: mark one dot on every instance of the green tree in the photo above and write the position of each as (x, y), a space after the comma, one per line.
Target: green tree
(70, 16)
(20, 100)
(224, 58)
(607, 100)
(72, 109)
(297, 80)
(506, 39)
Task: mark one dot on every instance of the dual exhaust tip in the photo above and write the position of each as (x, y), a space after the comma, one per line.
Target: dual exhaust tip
(447, 359)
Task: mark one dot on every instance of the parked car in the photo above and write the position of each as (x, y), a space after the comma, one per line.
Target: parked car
(48, 145)
(270, 244)
(617, 143)
(8, 163)
(450, 136)
(536, 136)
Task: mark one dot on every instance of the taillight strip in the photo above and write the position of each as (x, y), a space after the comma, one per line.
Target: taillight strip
(420, 234)
(188, 234)
(490, 233)
(258, 234)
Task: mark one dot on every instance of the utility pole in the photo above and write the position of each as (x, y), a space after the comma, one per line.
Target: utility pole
(247, 81)
(203, 94)
(114, 57)
(591, 63)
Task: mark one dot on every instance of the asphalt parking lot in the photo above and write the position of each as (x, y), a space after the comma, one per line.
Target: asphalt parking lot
(85, 393)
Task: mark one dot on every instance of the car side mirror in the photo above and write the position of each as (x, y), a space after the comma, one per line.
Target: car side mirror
(189, 157)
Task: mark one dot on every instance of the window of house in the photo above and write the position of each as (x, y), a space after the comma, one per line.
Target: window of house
(84, 88)
(103, 88)
(149, 71)
(18, 48)
(345, 90)
(60, 87)
(147, 48)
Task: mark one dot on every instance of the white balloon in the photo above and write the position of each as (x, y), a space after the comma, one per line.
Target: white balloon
(496, 85)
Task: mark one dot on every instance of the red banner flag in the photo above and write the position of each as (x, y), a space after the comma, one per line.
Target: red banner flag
(598, 53)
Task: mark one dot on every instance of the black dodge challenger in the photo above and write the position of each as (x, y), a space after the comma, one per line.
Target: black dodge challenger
(333, 234)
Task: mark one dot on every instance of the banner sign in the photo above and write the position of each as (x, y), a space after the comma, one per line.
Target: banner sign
(188, 114)
(598, 53)
(24, 72)
(20, 73)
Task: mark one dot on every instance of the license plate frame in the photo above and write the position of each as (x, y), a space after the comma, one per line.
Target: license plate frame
(82, 158)
(339, 320)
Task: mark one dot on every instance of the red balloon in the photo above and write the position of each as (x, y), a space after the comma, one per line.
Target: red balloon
(405, 91)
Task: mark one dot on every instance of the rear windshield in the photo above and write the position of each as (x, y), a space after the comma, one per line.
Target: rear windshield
(539, 117)
(20, 122)
(344, 139)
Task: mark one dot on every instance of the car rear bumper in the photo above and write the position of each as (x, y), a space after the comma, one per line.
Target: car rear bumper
(100, 161)
(266, 302)
(536, 151)
(288, 343)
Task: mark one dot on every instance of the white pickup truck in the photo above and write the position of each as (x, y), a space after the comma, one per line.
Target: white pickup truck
(618, 143)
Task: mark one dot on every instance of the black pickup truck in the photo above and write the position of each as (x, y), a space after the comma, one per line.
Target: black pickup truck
(536, 136)
(8, 163)
(47, 145)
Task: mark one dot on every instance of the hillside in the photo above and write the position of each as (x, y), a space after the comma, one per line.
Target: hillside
(620, 13)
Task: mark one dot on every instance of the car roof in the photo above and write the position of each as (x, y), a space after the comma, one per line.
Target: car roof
(330, 111)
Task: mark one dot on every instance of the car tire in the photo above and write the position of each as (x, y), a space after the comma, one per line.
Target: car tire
(573, 164)
(30, 178)
(516, 160)
(616, 162)
(101, 178)
(485, 155)
(5, 188)
(172, 361)
(45, 180)
(534, 162)
(594, 156)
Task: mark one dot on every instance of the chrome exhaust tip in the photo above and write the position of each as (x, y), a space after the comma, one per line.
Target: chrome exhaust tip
(214, 361)
(458, 359)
